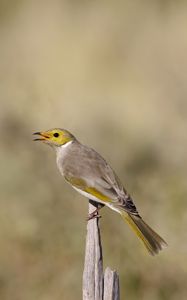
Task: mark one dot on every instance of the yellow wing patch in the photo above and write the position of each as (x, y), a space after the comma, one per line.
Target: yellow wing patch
(81, 184)
(97, 194)
(77, 182)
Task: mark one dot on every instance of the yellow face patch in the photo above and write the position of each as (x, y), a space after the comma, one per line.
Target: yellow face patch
(55, 136)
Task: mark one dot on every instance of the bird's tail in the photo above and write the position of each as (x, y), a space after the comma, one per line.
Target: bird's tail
(151, 240)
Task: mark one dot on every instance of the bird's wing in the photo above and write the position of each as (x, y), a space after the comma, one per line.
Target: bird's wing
(99, 189)
(124, 200)
(98, 179)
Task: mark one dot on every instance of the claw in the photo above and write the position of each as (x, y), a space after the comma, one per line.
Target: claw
(93, 215)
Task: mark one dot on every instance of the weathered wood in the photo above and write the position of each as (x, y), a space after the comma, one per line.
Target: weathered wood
(95, 287)
(93, 266)
(111, 285)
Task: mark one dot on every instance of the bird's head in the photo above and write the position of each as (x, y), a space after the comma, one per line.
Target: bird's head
(54, 137)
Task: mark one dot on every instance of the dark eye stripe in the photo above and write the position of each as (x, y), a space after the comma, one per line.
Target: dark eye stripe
(56, 134)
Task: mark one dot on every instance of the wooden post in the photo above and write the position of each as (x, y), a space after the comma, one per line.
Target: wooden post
(95, 285)
(111, 285)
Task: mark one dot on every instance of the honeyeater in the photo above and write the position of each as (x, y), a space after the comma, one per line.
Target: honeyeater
(88, 173)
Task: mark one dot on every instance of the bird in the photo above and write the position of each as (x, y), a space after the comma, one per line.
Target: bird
(89, 174)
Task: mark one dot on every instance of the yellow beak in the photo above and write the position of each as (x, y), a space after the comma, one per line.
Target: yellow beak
(43, 136)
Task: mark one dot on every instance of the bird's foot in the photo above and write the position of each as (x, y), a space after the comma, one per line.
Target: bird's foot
(93, 215)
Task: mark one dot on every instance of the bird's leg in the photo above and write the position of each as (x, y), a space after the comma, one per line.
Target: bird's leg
(95, 213)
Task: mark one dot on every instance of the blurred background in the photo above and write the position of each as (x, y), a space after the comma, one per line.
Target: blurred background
(114, 73)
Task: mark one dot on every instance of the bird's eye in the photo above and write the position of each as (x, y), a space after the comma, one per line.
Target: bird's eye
(56, 134)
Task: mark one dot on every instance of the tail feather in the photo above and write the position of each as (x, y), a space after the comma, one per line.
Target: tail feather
(151, 240)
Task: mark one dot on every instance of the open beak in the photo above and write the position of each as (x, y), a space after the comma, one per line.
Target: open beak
(43, 136)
